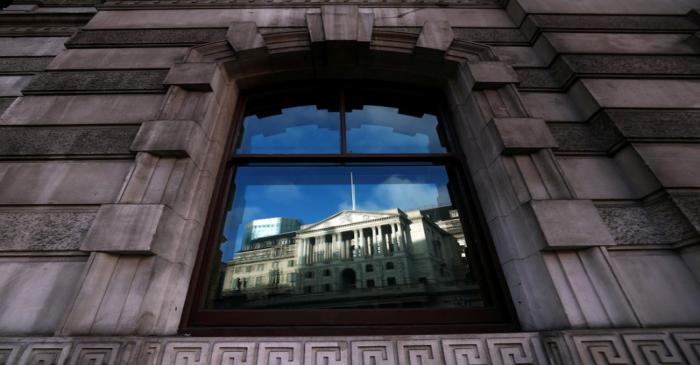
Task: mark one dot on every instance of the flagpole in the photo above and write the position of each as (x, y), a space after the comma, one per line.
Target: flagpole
(352, 190)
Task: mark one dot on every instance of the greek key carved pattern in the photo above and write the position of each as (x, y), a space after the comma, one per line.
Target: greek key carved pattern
(556, 351)
(465, 352)
(420, 352)
(652, 348)
(150, 353)
(279, 353)
(8, 353)
(373, 353)
(238, 353)
(601, 349)
(186, 353)
(45, 353)
(516, 350)
(94, 353)
(326, 353)
(690, 345)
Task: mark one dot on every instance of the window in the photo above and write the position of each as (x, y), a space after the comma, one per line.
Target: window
(349, 176)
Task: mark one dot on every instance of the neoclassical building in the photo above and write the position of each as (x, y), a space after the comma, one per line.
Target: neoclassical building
(353, 253)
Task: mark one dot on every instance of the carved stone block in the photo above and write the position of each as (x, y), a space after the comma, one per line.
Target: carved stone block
(571, 223)
(244, 37)
(490, 74)
(436, 35)
(373, 352)
(133, 229)
(518, 135)
(283, 353)
(326, 353)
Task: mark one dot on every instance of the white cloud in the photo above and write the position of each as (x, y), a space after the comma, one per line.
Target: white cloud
(396, 192)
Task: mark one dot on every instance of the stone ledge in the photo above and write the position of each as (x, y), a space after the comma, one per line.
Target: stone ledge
(197, 76)
(490, 75)
(571, 224)
(522, 135)
(172, 138)
(590, 347)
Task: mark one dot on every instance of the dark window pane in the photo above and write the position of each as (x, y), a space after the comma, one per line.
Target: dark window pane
(381, 129)
(304, 124)
(340, 236)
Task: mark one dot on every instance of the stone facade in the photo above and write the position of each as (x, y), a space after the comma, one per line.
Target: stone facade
(579, 122)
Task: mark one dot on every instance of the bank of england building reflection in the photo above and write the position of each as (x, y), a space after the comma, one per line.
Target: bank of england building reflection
(355, 259)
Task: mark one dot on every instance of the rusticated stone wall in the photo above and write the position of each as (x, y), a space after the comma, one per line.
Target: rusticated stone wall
(580, 122)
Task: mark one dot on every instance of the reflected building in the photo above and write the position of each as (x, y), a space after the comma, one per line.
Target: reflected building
(355, 259)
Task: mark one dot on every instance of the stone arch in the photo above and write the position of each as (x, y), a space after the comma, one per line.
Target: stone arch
(191, 133)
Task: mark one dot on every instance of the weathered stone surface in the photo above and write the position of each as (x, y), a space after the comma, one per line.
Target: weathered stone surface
(674, 164)
(126, 229)
(656, 124)
(416, 17)
(689, 204)
(82, 109)
(13, 85)
(16, 65)
(623, 93)
(44, 229)
(31, 46)
(146, 37)
(612, 22)
(633, 64)
(597, 135)
(571, 223)
(118, 58)
(649, 223)
(5, 103)
(518, 135)
(490, 35)
(120, 81)
(436, 36)
(75, 182)
(598, 177)
(553, 106)
(177, 138)
(244, 36)
(611, 43)
(38, 311)
(88, 140)
(651, 278)
(197, 76)
(196, 18)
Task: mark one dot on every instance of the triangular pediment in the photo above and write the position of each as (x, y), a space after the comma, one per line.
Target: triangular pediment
(347, 217)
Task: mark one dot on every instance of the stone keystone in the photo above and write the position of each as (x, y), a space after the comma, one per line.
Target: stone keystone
(340, 23)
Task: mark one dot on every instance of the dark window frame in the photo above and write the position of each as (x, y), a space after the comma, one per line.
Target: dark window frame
(498, 316)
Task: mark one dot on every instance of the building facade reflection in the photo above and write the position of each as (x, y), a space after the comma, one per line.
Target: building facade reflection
(355, 259)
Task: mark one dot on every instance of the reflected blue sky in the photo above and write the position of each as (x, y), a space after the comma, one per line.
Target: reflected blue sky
(299, 129)
(380, 129)
(312, 193)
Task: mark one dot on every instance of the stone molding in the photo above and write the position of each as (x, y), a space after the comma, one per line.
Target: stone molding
(172, 138)
(585, 347)
(522, 135)
(159, 4)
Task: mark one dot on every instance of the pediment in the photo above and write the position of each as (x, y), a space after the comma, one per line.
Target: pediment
(347, 217)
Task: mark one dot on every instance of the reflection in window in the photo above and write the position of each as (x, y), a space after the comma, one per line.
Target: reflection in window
(297, 129)
(380, 129)
(347, 223)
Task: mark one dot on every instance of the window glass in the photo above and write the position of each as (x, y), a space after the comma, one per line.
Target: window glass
(343, 222)
(291, 125)
(381, 129)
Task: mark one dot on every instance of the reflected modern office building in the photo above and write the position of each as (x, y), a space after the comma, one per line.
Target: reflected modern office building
(355, 259)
